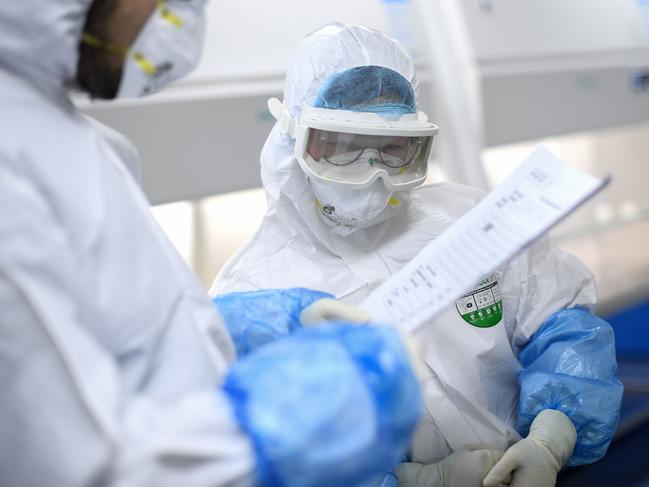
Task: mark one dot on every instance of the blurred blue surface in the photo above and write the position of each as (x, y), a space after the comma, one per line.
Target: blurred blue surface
(631, 330)
(627, 461)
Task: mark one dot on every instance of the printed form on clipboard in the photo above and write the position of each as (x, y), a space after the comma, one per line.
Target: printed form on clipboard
(540, 193)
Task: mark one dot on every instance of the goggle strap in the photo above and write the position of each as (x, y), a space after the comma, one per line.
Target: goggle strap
(287, 122)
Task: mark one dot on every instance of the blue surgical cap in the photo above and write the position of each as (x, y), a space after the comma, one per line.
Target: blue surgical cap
(372, 89)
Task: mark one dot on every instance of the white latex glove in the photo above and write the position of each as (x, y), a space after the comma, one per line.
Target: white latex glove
(535, 461)
(463, 468)
(328, 309)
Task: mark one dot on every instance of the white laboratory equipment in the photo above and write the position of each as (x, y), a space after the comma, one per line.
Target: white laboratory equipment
(574, 75)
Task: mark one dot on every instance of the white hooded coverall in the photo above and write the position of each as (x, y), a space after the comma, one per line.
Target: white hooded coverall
(110, 352)
(473, 394)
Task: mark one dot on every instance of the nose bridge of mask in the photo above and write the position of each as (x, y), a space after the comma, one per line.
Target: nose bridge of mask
(376, 160)
(351, 206)
(371, 167)
(373, 159)
(369, 156)
(167, 48)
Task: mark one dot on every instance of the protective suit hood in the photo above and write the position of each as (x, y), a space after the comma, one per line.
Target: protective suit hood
(332, 49)
(471, 400)
(40, 40)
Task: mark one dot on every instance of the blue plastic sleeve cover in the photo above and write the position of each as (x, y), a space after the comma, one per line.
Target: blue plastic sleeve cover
(257, 318)
(332, 405)
(569, 365)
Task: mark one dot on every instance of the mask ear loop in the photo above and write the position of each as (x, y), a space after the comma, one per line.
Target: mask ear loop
(168, 15)
(144, 64)
(287, 122)
(140, 59)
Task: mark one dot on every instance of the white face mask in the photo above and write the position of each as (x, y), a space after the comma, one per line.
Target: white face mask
(354, 207)
(166, 50)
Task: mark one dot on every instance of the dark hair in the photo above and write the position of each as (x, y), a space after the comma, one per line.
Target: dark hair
(99, 72)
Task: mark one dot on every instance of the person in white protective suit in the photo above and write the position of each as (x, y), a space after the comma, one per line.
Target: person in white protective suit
(343, 170)
(115, 367)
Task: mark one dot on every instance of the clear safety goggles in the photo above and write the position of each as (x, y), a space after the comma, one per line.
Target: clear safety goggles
(354, 149)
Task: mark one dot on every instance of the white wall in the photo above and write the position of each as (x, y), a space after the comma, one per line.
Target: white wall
(253, 38)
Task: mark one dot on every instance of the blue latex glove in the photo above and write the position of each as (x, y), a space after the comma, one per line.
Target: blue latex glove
(569, 365)
(332, 405)
(257, 318)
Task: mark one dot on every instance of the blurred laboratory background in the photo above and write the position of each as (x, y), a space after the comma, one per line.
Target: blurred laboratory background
(497, 76)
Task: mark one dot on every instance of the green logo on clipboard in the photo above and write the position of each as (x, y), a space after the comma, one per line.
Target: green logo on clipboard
(482, 307)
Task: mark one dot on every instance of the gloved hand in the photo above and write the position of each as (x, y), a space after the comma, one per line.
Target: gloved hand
(462, 468)
(333, 310)
(326, 309)
(259, 317)
(535, 460)
(331, 405)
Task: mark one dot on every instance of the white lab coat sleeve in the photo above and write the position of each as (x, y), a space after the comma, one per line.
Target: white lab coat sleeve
(123, 147)
(65, 419)
(541, 281)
